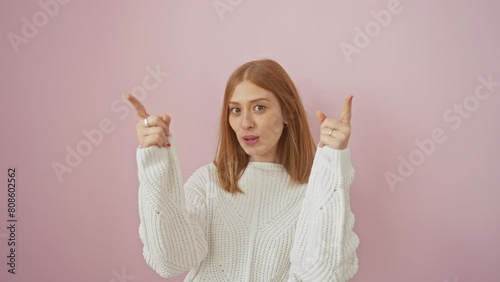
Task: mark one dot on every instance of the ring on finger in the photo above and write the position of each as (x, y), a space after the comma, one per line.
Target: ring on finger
(146, 122)
(330, 133)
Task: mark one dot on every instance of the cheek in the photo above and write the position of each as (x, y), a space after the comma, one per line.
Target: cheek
(275, 124)
(232, 123)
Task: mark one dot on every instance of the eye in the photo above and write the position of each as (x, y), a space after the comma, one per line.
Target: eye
(261, 106)
(231, 110)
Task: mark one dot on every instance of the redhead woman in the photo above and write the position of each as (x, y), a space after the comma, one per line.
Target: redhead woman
(272, 206)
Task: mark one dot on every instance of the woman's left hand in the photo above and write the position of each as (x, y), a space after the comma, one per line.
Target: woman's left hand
(335, 133)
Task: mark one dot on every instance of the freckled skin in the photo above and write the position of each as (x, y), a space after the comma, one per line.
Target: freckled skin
(247, 118)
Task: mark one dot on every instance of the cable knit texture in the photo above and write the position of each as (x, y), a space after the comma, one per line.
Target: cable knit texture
(275, 231)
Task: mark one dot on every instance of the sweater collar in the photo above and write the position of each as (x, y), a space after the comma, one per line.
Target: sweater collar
(265, 165)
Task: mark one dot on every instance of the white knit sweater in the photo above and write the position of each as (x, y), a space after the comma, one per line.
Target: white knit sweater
(276, 231)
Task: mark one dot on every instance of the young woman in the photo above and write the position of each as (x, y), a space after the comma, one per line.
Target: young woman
(272, 206)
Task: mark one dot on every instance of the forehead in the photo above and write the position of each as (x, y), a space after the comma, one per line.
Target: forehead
(247, 91)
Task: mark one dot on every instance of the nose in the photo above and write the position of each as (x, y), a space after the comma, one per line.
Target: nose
(247, 121)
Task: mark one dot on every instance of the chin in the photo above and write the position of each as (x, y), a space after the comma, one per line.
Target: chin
(250, 151)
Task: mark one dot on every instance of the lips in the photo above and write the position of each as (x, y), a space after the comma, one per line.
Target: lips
(250, 137)
(250, 140)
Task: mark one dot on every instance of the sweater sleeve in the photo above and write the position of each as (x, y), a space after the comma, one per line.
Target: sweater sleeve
(172, 215)
(325, 243)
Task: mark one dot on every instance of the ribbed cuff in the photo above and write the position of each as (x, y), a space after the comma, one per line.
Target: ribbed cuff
(335, 158)
(151, 163)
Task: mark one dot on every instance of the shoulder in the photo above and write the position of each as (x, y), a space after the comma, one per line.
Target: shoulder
(202, 178)
(206, 171)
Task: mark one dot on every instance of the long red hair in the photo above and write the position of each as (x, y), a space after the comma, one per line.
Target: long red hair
(296, 147)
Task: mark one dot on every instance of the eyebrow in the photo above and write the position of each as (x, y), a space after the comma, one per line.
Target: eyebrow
(255, 100)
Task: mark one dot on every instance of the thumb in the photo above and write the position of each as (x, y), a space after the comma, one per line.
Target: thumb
(320, 116)
(165, 119)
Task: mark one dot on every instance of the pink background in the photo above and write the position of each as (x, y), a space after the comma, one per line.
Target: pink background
(440, 224)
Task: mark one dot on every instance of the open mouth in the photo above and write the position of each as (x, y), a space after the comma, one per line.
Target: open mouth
(250, 140)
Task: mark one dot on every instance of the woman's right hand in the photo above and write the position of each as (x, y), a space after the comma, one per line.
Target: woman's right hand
(159, 126)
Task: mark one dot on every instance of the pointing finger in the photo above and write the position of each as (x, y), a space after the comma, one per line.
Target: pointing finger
(139, 108)
(346, 112)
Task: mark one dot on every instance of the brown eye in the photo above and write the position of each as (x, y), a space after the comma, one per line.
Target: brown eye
(261, 106)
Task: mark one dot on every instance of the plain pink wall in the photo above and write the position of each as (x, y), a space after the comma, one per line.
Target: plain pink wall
(409, 78)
